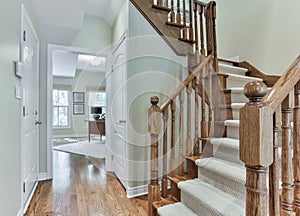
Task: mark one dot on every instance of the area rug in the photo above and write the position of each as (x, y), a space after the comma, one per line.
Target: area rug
(92, 149)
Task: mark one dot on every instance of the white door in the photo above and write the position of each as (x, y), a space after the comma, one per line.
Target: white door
(30, 112)
(118, 108)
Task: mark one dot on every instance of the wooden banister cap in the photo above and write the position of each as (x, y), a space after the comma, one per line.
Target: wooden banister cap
(255, 91)
(154, 100)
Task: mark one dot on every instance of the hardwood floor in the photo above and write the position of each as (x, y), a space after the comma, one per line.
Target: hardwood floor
(80, 186)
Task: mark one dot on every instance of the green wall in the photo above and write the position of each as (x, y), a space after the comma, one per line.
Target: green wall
(121, 23)
(79, 84)
(10, 166)
(264, 33)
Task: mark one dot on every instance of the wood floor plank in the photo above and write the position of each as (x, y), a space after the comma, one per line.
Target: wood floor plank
(81, 186)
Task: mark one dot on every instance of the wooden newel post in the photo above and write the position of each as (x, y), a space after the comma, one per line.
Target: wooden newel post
(256, 145)
(154, 128)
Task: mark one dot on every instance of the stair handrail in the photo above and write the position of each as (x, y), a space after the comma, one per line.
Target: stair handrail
(185, 83)
(261, 120)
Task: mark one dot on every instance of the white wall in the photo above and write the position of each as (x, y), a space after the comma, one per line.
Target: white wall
(121, 23)
(265, 33)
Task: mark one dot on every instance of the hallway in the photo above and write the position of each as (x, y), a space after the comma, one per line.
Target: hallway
(82, 187)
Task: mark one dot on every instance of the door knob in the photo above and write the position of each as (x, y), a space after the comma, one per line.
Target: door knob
(122, 121)
(38, 122)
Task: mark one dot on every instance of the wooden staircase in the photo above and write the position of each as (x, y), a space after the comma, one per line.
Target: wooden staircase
(206, 109)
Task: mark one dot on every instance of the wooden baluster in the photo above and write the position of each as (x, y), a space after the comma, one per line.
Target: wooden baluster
(189, 121)
(196, 26)
(191, 29)
(184, 30)
(165, 156)
(159, 3)
(286, 160)
(209, 31)
(154, 128)
(214, 16)
(178, 15)
(173, 140)
(274, 198)
(296, 148)
(201, 31)
(203, 110)
(167, 3)
(196, 138)
(210, 106)
(256, 147)
(181, 128)
(172, 14)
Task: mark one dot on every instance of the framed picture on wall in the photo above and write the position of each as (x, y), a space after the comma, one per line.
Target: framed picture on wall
(78, 109)
(78, 97)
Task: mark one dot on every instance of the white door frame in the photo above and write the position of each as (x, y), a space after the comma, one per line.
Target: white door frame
(50, 50)
(26, 18)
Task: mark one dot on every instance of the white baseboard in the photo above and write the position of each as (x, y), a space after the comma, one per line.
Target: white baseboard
(43, 176)
(69, 135)
(20, 213)
(26, 205)
(140, 190)
(137, 191)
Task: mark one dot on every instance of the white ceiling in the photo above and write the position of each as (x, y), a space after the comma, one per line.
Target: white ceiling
(70, 13)
(65, 63)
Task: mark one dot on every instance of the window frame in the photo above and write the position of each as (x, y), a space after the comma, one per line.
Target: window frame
(68, 126)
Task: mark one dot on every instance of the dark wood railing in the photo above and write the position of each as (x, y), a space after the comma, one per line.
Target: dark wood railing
(266, 126)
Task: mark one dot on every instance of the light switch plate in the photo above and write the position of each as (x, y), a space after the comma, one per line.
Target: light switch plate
(18, 93)
(18, 68)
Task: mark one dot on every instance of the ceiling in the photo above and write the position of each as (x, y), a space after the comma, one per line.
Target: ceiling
(66, 63)
(70, 13)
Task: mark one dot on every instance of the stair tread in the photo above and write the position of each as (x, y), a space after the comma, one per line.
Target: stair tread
(212, 197)
(232, 123)
(223, 168)
(178, 178)
(163, 202)
(232, 69)
(240, 76)
(176, 209)
(237, 105)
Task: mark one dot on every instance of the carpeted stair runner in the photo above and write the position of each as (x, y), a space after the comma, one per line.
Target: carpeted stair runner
(219, 188)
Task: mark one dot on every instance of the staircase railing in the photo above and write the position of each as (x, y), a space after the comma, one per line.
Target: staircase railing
(265, 127)
(177, 132)
(196, 20)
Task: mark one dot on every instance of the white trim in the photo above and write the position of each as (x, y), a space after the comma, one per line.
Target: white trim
(29, 198)
(43, 176)
(20, 212)
(25, 16)
(137, 191)
(51, 48)
(141, 190)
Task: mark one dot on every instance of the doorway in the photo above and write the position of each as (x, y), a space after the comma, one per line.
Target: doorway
(76, 88)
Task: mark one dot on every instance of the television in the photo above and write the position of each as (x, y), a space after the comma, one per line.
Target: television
(96, 110)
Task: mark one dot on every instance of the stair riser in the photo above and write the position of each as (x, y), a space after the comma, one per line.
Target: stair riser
(230, 186)
(236, 114)
(226, 154)
(233, 82)
(237, 97)
(238, 72)
(233, 132)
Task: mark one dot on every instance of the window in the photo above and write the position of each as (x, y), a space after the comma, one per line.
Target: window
(97, 99)
(61, 108)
